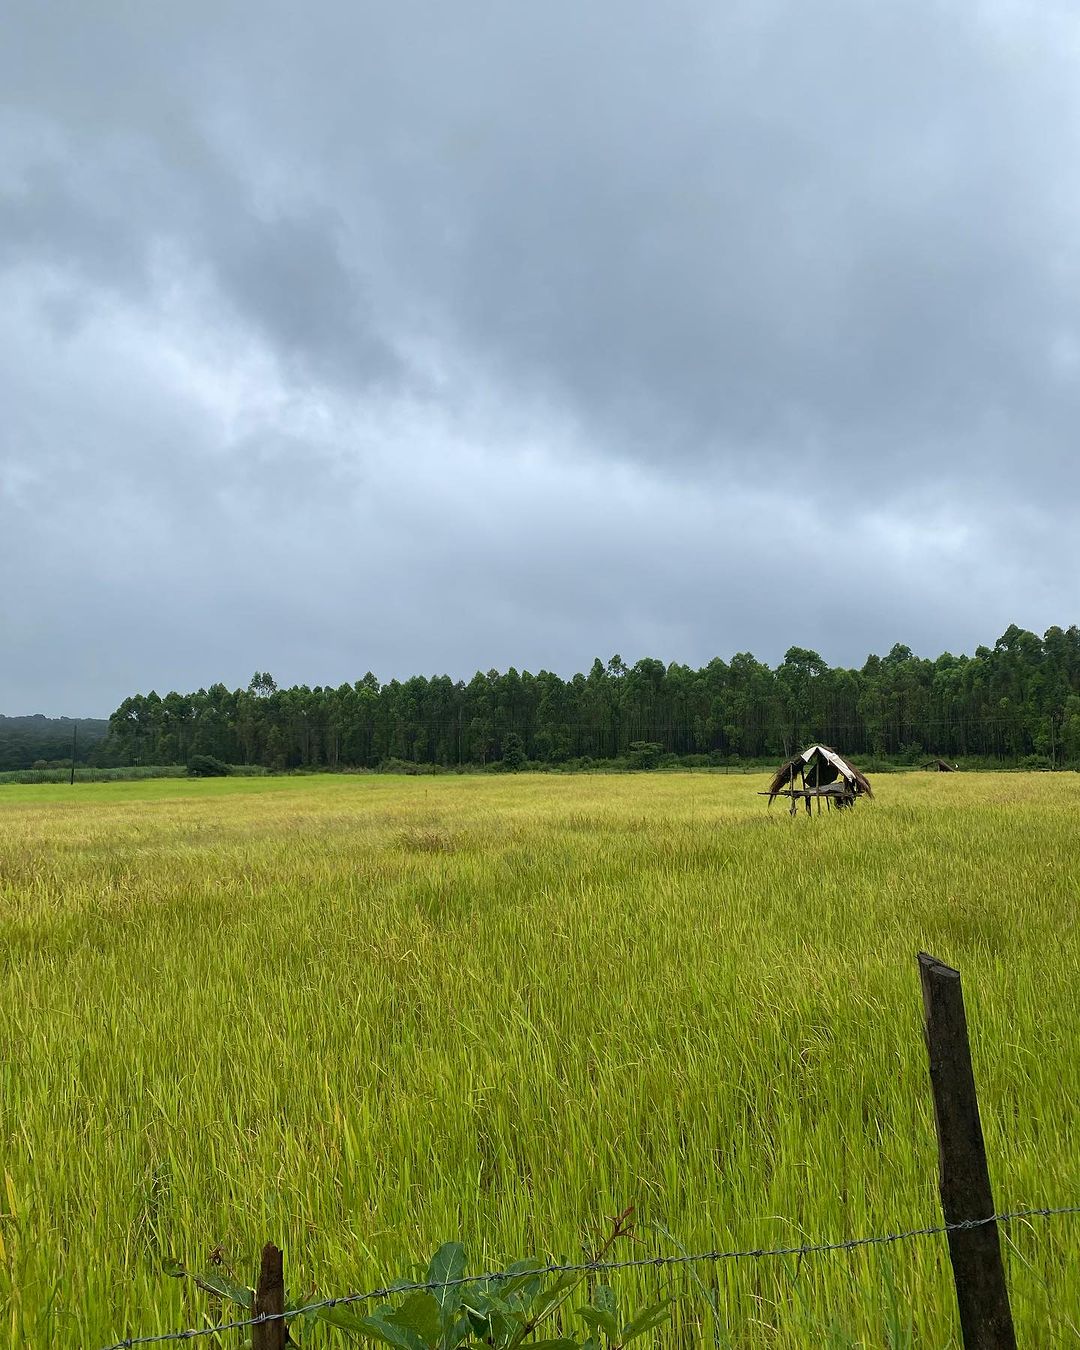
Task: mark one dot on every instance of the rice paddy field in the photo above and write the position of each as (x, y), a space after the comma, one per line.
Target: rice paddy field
(364, 1015)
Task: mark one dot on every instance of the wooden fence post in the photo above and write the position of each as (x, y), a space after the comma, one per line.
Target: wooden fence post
(270, 1298)
(964, 1180)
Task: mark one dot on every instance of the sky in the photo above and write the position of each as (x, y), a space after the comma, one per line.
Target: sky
(422, 338)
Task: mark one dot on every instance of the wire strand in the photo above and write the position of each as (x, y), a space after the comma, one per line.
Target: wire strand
(591, 1267)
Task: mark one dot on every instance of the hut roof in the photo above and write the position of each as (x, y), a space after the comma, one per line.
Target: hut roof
(831, 764)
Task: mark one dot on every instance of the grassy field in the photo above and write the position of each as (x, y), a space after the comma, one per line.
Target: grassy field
(364, 1015)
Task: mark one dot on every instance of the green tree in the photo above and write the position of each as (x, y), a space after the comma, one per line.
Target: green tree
(513, 756)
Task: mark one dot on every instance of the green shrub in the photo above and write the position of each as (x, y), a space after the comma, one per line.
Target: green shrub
(206, 766)
(1036, 762)
(645, 754)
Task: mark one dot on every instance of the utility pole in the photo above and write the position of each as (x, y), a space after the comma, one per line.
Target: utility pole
(74, 743)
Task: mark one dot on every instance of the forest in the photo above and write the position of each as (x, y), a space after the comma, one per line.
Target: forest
(1017, 702)
(26, 741)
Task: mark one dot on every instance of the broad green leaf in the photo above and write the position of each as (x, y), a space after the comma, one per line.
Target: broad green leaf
(420, 1313)
(599, 1319)
(543, 1305)
(503, 1327)
(556, 1343)
(647, 1320)
(522, 1274)
(308, 1317)
(407, 1282)
(447, 1264)
(457, 1333)
(604, 1299)
(494, 1325)
(480, 1305)
(374, 1328)
(217, 1282)
(478, 1299)
(550, 1298)
(341, 1317)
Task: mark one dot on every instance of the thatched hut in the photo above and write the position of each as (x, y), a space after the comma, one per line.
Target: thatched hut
(822, 773)
(941, 766)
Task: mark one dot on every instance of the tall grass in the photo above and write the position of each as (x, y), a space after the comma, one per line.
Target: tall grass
(92, 774)
(127, 774)
(363, 1015)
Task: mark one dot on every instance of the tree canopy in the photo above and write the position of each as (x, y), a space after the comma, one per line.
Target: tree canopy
(37, 740)
(1017, 699)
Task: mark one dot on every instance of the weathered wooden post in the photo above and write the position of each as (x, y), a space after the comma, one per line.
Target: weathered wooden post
(270, 1299)
(963, 1177)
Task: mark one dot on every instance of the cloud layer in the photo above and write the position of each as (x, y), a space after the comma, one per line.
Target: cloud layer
(422, 338)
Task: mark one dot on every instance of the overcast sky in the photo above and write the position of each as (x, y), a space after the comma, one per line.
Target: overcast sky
(433, 337)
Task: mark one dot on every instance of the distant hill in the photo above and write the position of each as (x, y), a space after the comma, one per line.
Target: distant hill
(25, 741)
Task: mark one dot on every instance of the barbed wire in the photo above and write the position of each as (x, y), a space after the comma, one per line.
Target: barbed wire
(590, 1267)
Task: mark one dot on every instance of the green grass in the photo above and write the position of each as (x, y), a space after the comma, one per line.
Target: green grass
(360, 1016)
(93, 774)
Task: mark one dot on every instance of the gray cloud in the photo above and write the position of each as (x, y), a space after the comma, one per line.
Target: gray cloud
(423, 338)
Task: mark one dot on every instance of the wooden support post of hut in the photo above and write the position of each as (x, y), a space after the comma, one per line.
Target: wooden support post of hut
(818, 774)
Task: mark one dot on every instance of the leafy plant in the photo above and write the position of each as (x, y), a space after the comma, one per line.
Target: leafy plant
(443, 1310)
(206, 766)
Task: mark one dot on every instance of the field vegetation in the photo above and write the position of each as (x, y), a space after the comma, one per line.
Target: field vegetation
(364, 1015)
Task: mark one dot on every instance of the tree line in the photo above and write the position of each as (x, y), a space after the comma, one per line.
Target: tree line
(26, 742)
(1016, 701)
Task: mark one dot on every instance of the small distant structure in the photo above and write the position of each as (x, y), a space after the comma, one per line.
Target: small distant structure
(941, 766)
(822, 774)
